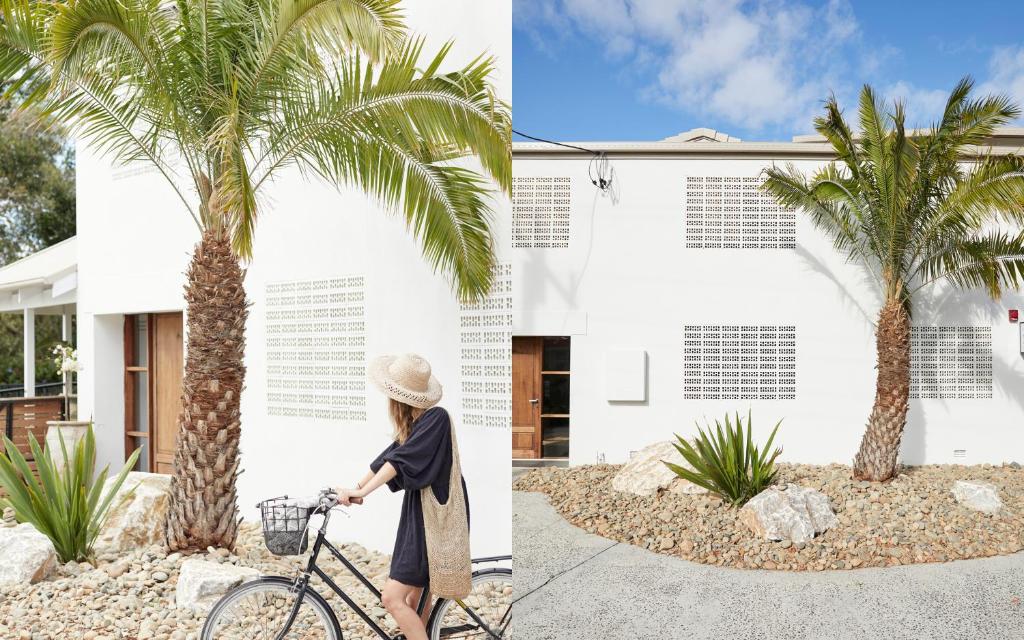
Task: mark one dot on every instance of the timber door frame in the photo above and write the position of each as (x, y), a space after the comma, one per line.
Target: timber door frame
(526, 383)
(131, 381)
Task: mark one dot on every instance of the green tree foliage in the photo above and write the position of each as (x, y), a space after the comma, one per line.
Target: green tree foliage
(37, 209)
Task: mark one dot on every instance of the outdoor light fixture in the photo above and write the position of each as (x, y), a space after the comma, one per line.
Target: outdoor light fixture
(1014, 315)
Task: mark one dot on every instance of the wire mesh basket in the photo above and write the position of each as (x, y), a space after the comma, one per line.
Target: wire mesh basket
(284, 525)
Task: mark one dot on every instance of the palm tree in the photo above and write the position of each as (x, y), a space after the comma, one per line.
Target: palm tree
(913, 208)
(222, 96)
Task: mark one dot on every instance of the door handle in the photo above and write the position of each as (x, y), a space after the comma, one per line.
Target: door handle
(534, 400)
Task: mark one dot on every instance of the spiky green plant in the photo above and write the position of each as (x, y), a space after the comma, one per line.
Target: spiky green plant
(913, 208)
(725, 460)
(222, 96)
(68, 506)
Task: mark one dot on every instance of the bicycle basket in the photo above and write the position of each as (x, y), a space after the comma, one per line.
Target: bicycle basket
(284, 525)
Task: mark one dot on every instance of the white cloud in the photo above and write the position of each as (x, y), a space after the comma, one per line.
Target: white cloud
(758, 65)
(755, 64)
(1006, 75)
(924, 106)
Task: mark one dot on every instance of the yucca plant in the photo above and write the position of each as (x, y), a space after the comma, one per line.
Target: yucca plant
(68, 506)
(726, 461)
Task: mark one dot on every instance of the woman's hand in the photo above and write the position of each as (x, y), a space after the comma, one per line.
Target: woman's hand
(348, 497)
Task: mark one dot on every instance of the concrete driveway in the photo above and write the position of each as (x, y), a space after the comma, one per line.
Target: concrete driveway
(571, 584)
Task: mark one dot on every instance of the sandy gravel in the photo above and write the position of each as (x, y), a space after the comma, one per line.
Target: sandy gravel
(912, 519)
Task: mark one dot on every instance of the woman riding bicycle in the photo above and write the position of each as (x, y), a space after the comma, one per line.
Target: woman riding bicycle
(419, 457)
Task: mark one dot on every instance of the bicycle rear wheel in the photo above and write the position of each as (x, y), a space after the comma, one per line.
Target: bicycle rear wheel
(490, 600)
(259, 610)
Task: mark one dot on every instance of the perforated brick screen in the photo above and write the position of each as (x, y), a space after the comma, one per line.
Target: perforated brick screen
(540, 212)
(316, 349)
(739, 362)
(486, 355)
(951, 362)
(730, 212)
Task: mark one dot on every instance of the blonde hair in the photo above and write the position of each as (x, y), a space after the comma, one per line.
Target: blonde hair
(402, 416)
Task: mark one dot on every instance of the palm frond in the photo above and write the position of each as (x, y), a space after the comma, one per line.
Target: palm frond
(993, 261)
(909, 203)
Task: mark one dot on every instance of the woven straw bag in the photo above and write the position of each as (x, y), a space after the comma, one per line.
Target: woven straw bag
(447, 531)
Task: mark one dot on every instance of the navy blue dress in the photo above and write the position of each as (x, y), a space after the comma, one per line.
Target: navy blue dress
(425, 459)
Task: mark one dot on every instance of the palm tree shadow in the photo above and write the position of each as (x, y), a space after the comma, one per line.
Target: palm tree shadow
(974, 307)
(848, 298)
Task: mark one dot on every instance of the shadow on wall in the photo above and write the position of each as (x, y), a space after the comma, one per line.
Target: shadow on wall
(939, 305)
(564, 290)
(956, 307)
(851, 301)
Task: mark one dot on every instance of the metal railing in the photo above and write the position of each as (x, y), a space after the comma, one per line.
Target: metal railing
(43, 389)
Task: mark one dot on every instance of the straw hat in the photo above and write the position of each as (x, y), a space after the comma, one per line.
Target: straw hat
(406, 378)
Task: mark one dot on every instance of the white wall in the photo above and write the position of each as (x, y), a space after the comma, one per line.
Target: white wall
(627, 281)
(136, 240)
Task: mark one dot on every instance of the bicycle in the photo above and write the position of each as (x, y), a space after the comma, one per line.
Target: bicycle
(283, 607)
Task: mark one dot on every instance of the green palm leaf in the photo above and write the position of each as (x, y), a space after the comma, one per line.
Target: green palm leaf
(221, 96)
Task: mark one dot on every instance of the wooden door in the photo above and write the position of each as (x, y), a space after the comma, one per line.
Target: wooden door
(167, 368)
(526, 363)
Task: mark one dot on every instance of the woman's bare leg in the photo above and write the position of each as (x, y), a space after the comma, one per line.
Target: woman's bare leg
(395, 598)
(414, 601)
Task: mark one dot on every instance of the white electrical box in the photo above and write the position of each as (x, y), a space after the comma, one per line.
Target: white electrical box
(626, 375)
(1021, 326)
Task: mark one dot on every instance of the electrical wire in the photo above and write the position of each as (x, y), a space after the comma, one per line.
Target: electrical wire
(599, 170)
(557, 144)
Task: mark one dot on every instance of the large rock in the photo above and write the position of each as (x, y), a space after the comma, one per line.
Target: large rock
(202, 583)
(645, 473)
(794, 513)
(135, 521)
(980, 496)
(26, 556)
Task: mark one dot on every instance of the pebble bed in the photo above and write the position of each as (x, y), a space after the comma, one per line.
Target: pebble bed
(911, 519)
(132, 597)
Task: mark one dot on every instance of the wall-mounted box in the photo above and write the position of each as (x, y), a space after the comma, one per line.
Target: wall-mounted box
(626, 375)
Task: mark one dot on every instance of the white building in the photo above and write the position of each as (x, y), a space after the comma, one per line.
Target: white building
(688, 257)
(308, 419)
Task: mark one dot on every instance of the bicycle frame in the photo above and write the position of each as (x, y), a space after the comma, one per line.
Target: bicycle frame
(302, 583)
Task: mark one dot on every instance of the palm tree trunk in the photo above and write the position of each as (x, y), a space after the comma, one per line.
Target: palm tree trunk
(202, 510)
(880, 447)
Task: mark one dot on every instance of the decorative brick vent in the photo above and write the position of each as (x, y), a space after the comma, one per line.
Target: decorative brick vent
(486, 355)
(134, 170)
(540, 212)
(950, 362)
(316, 349)
(739, 362)
(729, 212)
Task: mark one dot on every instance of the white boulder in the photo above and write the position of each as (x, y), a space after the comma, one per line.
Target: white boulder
(980, 496)
(202, 583)
(645, 473)
(135, 521)
(794, 513)
(26, 555)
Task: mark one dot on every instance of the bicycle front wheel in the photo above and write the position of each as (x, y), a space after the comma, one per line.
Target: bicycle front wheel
(259, 610)
(485, 614)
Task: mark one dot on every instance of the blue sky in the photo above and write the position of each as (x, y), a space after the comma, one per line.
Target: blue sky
(758, 70)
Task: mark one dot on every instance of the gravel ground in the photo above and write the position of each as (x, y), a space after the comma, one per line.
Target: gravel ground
(132, 598)
(912, 519)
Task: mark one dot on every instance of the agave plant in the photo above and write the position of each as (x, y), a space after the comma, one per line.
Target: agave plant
(725, 460)
(69, 506)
